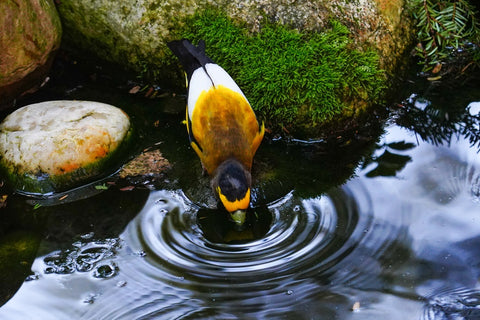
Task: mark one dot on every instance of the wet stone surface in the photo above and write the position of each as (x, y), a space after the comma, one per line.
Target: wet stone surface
(48, 140)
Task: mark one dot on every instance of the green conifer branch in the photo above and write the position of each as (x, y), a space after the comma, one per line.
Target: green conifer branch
(444, 28)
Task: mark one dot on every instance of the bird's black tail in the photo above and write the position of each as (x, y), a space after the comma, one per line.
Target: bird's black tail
(191, 57)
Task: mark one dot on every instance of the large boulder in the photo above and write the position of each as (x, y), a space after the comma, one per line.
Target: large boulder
(300, 63)
(135, 34)
(31, 32)
(56, 145)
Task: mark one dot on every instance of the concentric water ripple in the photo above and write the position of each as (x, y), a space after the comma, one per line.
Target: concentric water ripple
(180, 261)
(304, 234)
(312, 249)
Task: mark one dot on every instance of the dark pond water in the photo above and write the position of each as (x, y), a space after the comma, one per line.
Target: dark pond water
(363, 228)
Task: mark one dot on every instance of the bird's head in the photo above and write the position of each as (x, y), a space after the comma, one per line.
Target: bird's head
(231, 182)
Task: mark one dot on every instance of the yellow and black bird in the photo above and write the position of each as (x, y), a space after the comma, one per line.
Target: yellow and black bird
(221, 124)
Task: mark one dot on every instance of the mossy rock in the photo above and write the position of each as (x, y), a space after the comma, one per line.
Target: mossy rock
(303, 65)
(57, 145)
(296, 81)
(31, 34)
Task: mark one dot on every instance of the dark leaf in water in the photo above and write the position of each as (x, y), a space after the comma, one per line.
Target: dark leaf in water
(401, 145)
(389, 164)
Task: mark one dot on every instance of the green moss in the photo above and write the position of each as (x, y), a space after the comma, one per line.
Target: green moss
(290, 76)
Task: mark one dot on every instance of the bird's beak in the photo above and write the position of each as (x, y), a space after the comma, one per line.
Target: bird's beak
(238, 216)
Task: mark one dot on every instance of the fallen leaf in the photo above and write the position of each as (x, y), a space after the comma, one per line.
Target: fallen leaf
(149, 92)
(134, 90)
(437, 68)
(434, 78)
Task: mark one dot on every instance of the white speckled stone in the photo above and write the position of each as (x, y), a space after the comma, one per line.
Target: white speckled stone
(58, 137)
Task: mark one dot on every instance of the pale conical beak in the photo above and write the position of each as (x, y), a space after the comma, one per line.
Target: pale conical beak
(239, 216)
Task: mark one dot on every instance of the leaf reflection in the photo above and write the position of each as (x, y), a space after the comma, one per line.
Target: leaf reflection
(436, 125)
(390, 162)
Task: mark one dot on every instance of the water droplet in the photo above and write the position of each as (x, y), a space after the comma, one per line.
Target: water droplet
(82, 257)
(121, 283)
(49, 270)
(106, 271)
(141, 253)
(87, 236)
(32, 277)
(289, 292)
(90, 299)
(77, 244)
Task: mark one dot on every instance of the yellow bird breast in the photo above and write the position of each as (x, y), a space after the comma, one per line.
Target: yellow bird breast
(224, 126)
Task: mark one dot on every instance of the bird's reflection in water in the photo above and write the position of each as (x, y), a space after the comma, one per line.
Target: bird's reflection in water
(217, 226)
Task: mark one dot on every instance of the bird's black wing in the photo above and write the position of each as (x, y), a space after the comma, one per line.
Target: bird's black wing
(191, 57)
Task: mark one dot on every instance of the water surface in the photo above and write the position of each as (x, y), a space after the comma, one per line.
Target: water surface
(366, 229)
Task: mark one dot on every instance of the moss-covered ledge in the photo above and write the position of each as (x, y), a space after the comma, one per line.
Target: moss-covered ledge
(301, 64)
(295, 80)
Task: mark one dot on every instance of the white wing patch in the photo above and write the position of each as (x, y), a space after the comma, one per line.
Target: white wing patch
(201, 81)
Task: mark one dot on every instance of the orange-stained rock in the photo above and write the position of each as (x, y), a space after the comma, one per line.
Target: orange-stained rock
(53, 139)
